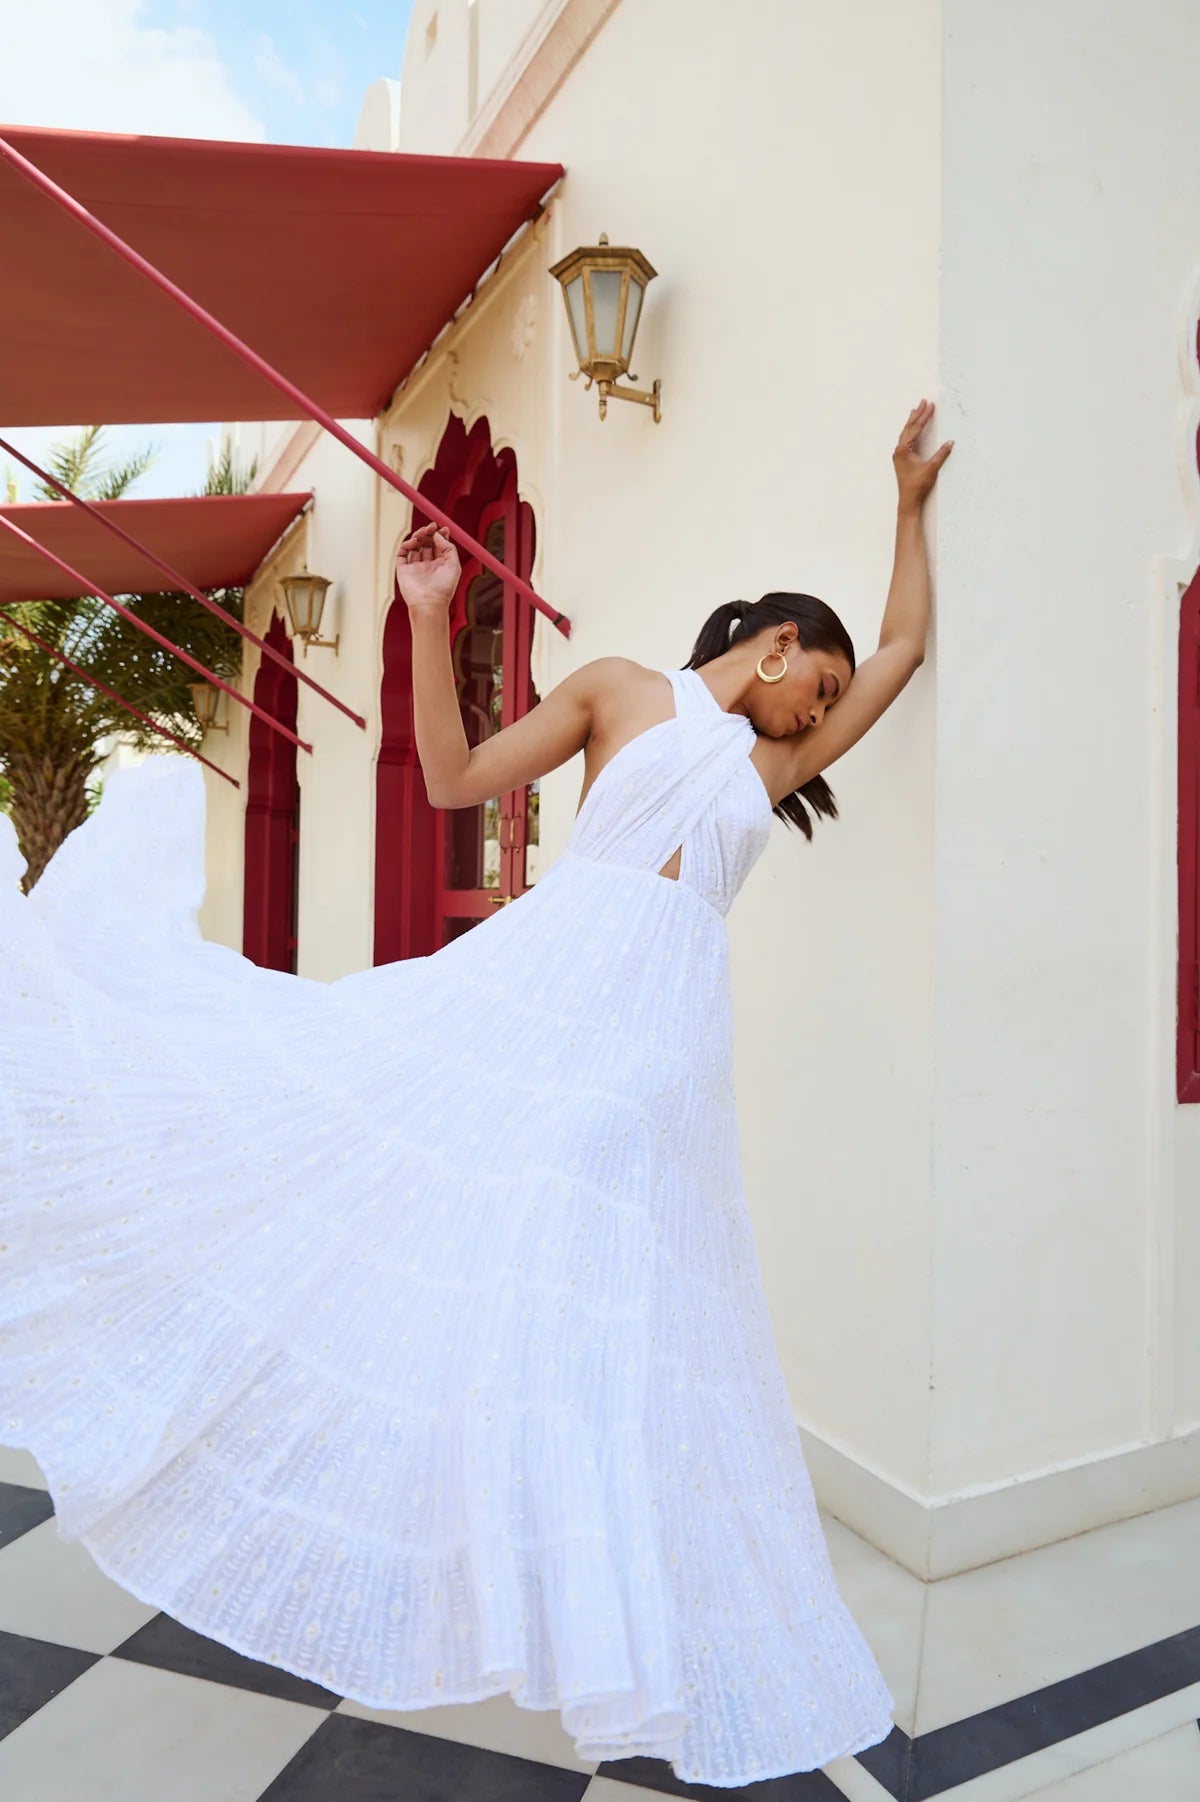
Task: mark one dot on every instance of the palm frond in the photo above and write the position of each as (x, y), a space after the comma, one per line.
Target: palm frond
(224, 476)
(115, 480)
(72, 461)
(51, 718)
(81, 464)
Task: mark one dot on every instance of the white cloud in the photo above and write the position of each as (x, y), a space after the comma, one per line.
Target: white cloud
(95, 65)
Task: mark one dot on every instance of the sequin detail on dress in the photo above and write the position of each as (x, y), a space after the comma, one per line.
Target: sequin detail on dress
(407, 1331)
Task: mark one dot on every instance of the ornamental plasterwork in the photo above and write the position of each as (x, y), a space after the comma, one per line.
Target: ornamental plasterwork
(524, 329)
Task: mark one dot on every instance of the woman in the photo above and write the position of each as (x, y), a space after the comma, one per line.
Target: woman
(406, 1331)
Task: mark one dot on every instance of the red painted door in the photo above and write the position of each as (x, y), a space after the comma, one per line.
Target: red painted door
(272, 829)
(1188, 1013)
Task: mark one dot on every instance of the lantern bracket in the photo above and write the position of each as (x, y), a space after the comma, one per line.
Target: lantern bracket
(309, 643)
(613, 391)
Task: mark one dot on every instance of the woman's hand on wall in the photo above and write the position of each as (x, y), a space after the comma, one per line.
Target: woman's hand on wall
(916, 475)
(427, 570)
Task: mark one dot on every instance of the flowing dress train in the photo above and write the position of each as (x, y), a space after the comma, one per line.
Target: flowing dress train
(407, 1331)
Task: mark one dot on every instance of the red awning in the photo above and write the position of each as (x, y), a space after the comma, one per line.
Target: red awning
(338, 266)
(218, 540)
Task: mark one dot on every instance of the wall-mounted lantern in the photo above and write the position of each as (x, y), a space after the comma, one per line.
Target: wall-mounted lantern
(604, 287)
(206, 701)
(304, 598)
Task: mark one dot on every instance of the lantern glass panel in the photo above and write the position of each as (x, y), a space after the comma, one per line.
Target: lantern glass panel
(606, 303)
(578, 318)
(305, 596)
(633, 310)
(204, 701)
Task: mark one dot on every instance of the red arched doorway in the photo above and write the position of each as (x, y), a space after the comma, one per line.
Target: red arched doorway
(272, 819)
(1188, 1012)
(437, 873)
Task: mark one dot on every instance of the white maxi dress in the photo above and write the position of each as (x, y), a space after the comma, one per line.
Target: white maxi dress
(406, 1331)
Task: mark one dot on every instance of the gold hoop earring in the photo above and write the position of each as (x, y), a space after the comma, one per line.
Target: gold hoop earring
(762, 672)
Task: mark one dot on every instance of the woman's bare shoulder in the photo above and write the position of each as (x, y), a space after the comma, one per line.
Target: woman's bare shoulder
(616, 674)
(625, 699)
(621, 689)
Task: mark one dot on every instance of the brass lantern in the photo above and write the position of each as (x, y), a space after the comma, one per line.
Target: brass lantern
(304, 598)
(206, 699)
(604, 287)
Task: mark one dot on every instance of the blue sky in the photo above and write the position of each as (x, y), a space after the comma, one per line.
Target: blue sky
(264, 70)
(301, 67)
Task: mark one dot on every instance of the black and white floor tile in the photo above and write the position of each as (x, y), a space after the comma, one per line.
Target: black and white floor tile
(1071, 1674)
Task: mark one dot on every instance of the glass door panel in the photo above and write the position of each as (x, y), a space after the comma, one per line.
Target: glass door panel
(471, 839)
(488, 853)
(532, 833)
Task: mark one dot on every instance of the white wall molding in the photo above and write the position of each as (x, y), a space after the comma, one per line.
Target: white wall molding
(287, 454)
(538, 68)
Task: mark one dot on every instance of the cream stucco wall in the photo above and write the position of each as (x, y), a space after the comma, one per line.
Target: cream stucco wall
(1069, 265)
(971, 1188)
(337, 536)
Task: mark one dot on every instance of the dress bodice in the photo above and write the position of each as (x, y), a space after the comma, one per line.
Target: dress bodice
(687, 782)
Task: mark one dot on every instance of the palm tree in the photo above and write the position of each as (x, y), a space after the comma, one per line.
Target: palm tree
(52, 724)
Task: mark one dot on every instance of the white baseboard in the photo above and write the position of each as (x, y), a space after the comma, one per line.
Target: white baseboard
(940, 1536)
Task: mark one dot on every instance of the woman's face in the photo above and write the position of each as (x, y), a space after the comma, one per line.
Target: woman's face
(814, 682)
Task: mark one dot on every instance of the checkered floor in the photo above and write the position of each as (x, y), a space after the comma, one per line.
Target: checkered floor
(103, 1699)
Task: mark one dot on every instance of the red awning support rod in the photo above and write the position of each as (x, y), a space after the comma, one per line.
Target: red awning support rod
(175, 650)
(114, 696)
(298, 398)
(178, 581)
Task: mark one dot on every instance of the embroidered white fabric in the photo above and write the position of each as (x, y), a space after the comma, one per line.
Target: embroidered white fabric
(407, 1331)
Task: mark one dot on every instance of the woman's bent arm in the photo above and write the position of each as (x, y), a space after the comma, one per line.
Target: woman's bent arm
(456, 775)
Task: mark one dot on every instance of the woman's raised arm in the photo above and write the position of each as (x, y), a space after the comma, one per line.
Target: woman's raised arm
(428, 572)
(880, 677)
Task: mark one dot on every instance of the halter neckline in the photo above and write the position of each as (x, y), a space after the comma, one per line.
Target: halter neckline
(707, 691)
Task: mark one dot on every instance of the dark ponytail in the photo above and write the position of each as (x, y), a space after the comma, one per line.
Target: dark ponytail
(818, 629)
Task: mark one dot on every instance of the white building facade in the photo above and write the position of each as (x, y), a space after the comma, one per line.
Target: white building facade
(975, 1191)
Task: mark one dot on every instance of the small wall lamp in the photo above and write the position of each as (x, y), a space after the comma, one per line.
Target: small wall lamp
(206, 699)
(304, 598)
(604, 287)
